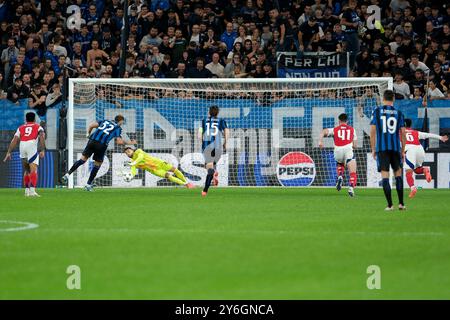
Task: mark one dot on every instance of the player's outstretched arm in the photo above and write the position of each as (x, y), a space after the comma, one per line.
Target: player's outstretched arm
(124, 140)
(426, 135)
(140, 157)
(11, 147)
(121, 141)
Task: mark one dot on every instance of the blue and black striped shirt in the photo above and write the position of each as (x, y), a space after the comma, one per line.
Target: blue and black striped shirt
(106, 131)
(213, 129)
(388, 122)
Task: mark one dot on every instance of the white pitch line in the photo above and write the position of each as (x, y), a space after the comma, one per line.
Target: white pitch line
(246, 232)
(25, 226)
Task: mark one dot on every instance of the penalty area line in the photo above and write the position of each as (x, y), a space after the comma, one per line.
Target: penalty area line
(255, 232)
(23, 226)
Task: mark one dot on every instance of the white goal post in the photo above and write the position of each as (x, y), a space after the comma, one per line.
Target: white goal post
(274, 126)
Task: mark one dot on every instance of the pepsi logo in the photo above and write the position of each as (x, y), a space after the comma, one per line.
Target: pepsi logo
(296, 169)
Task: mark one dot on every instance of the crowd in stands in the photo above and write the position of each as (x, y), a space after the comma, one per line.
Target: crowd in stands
(40, 40)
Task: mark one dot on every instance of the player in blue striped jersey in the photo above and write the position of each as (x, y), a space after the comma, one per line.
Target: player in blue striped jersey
(214, 135)
(106, 130)
(388, 140)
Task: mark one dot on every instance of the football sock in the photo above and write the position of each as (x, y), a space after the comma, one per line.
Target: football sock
(340, 170)
(33, 179)
(176, 180)
(180, 175)
(387, 191)
(26, 180)
(410, 178)
(352, 181)
(93, 174)
(419, 170)
(76, 165)
(399, 187)
(209, 178)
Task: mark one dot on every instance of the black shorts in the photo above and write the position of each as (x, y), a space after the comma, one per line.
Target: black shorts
(388, 159)
(96, 148)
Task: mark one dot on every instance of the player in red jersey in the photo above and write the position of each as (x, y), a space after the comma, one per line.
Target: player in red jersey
(29, 134)
(415, 155)
(344, 142)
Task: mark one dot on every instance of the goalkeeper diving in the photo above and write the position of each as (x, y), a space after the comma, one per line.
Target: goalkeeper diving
(156, 166)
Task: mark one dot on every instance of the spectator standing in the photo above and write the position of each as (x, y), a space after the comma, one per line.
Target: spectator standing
(8, 54)
(308, 34)
(229, 36)
(401, 88)
(351, 21)
(415, 64)
(35, 54)
(54, 96)
(108, 41)
(36, 100)
(84, 37)
(279, 22)
(363, 63)
(306, 15)
(95, 53)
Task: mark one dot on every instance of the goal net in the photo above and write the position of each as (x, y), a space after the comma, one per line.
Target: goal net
(274, 125)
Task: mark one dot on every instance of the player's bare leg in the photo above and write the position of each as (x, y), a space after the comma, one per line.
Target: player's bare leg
(410, 181)
(340, 179)
(33, 180)
(352, 181)
(427, 173)
(26, 176)
(209, 178)
(75, 166)
(89, 186)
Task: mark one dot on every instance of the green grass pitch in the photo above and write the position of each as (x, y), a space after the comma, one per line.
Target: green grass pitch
(238, 243)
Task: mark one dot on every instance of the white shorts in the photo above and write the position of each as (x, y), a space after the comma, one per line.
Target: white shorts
(343, 154)
(28, 151)
(415, 156)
